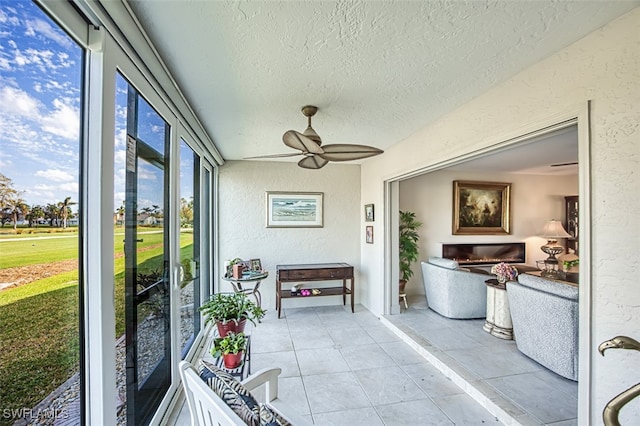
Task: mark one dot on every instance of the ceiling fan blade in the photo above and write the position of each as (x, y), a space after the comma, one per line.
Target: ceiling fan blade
(293, 154)
(312, 162)
(346, 152)
(297, 140)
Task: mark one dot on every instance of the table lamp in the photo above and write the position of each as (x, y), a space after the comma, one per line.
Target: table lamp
(552, 231)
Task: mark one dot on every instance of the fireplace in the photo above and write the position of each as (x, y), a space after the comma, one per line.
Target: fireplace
(483, 254)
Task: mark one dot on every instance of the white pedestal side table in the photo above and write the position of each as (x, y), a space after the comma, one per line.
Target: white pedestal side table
(498, 322)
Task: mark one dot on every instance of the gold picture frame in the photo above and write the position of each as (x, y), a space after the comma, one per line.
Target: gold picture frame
(481, 208)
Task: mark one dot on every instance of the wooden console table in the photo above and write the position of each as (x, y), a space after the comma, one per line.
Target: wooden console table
(315, 272)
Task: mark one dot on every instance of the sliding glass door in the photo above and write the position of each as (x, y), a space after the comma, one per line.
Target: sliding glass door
(146, 250)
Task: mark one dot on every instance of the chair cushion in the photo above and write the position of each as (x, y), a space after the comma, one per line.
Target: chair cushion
(231, 391)
(270, 417)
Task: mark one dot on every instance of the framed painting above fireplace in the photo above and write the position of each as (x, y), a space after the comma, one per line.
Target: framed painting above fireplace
(481, 208)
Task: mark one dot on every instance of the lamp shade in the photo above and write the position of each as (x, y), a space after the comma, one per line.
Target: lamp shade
(553, 229)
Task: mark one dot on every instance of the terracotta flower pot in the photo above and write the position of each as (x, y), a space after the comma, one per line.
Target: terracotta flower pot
(232, 361)
(224, 329)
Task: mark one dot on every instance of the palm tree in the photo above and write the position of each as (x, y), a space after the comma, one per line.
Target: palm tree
(34, 216)
(65, 209)
(52, 213)
(18, 209)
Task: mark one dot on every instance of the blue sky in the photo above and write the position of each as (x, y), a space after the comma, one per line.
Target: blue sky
(40, 71)
(40, 96)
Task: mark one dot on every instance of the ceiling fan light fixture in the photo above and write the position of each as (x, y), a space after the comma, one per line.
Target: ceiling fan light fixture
(313, 162)
(316, 156)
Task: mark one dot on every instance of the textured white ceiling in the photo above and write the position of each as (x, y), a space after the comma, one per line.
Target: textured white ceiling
(377, 70)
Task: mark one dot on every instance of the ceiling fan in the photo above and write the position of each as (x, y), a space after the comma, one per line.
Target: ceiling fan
(315, 155)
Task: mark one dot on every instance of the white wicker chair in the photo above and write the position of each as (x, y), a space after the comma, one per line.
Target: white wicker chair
(207, 408)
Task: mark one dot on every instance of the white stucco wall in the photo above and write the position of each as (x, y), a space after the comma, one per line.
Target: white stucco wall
(604, 67)
(242, 226)
(534, 200)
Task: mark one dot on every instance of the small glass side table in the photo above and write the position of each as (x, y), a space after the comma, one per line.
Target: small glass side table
(237, 284)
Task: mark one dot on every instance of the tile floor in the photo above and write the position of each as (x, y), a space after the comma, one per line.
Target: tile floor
(340, 368)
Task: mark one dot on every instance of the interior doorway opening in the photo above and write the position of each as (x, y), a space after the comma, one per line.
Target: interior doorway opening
(570, 164)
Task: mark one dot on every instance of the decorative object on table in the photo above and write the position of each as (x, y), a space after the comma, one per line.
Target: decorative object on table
(504, 272)
(294, 209)
(315, 155)
(228, 266)
(553, 231)
(369, 214)
(369, 234)
(295, 289)
(481, 208)
(238, 268)
(408, 239)
(256, 265)
(231, 348)
(230, 312)
(569, 262)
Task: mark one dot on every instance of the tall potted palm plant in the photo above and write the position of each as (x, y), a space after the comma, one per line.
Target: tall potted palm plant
(409, 237)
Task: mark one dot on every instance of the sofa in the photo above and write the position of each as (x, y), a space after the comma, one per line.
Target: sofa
(544, 313)
(452, 291)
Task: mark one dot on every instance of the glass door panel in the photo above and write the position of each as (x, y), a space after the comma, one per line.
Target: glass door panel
(146, 248)
(189, 246)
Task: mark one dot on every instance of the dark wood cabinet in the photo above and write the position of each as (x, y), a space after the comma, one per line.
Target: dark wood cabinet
(571, 222)
(315, 272)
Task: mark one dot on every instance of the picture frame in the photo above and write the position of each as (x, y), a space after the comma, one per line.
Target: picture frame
(294, 209)
(256, 265)
(481, 208)
(369, 213)
(369, 234)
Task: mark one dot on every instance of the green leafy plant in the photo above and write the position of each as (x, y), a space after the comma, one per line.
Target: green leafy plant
(408, 243)
(232, 343)
(568, 264)
(225, 307)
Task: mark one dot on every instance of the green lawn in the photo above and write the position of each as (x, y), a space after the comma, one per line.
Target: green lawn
(38, 339)
(39, 321)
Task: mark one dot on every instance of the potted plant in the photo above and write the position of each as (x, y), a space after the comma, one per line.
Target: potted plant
(408, 246)
(230, 312)
(230, 348)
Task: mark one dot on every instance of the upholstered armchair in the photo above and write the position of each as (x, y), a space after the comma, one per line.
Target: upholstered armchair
(545, 322)
(454, 292)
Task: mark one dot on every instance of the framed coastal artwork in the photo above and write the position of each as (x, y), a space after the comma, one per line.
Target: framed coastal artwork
(481, 208)
(294, 209)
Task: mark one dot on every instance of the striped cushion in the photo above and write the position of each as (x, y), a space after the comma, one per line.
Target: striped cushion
(237, 397)
(270, 417)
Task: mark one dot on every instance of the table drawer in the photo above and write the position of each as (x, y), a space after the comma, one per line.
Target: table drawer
(305, 274)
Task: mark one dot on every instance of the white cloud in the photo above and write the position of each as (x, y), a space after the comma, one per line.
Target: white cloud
(18, 102)
(55, 175)
(64, 121)
(71, 187)
(39, 26)
(5, 163)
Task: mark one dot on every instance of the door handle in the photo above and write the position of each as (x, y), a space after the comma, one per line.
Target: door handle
(612, 409)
